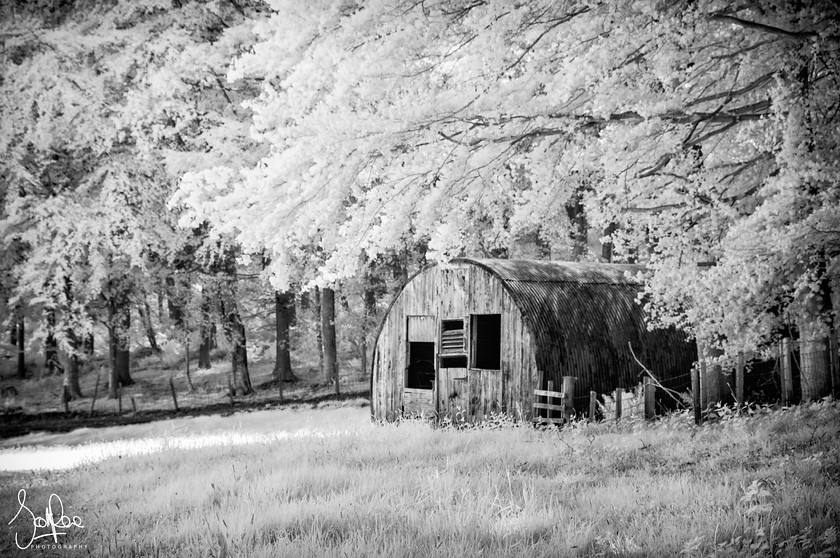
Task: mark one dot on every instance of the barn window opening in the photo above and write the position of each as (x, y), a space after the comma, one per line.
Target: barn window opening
(453, 344)
(486, 346)
(453, 361)
(421, 365)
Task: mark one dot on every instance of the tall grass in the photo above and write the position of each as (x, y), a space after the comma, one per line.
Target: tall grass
(762, 485)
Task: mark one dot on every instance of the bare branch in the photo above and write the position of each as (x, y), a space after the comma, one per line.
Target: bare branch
(654, 209)
(660, 164)
(711, 134)
(763, 80)
(547, 30)
(794, 35)
(222, 87)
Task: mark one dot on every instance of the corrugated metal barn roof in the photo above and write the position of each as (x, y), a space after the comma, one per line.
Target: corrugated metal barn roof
(584, 318)
(560, 272)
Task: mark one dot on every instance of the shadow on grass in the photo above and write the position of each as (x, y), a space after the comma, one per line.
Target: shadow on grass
(20, 423)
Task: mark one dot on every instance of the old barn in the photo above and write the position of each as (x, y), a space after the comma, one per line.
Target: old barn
(478, 336)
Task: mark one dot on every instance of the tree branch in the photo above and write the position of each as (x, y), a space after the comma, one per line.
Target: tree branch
(547, 30)
(766, 78)
(650, 171)
(794, 35)
(654, 209)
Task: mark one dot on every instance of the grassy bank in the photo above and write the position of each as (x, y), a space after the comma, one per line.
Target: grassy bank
(763, 485)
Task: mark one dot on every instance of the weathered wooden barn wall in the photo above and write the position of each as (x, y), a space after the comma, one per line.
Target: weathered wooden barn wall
(453, 292)
(557, 319)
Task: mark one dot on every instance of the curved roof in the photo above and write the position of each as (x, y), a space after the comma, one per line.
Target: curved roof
(542, 271)
(585, 319)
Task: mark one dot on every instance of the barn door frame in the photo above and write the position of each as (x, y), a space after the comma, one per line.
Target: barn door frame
(421, 330)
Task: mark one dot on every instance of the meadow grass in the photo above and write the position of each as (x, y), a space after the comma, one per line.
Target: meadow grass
(760, 485)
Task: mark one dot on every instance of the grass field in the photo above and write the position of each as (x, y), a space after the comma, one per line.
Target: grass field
(762, 485)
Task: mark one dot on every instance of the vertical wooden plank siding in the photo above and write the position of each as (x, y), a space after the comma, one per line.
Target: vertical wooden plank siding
(422, 328)
(454, 292)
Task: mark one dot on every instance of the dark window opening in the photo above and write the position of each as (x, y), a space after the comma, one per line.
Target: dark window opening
(452, 340)
(453, 361)
(421, 365)
(486, 341)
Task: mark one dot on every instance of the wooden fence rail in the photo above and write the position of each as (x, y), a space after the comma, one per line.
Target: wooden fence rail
(710, 383)
(561, 402)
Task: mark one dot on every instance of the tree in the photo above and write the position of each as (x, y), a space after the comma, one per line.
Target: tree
(119, 327)
(206, 333)
(328, 333)
(284, 305)
(703, 136)
(240, 379)
(145, 313)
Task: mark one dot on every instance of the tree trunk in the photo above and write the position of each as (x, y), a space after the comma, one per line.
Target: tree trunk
(319, 332)
(814, 326)
(160, 305)
(284, 303)
(123, 352)
(119, 324)
(20, 341)
(112, 350)
(368, 324)
(204, 351)
(205, 331)
(814, 367)
(173, 302)
(542, 248)
(72, 388)
(579, 228)
(328, 332)
(711, 381)
(607, 247)
(240, 380)
(88, 345)
(404, 267)
(187, 363)
(146, 317)
(50, 346)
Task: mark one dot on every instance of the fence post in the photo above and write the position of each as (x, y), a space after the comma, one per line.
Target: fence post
(568, 398)
(549, 413)
(786, 372)
(593, 397)
(619, 392)
(835, 365)
(695, 394)
(650, 398)
(174, 397)
(739, 382)
(95, 393)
